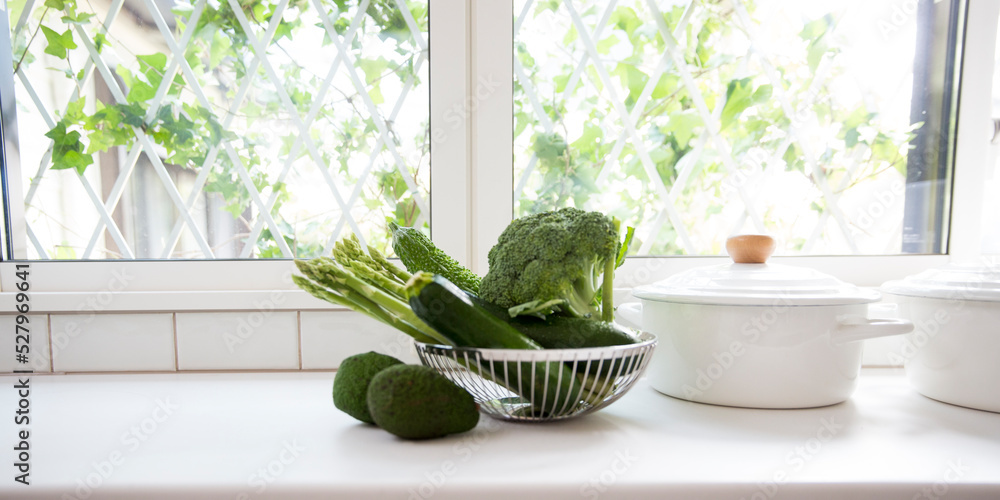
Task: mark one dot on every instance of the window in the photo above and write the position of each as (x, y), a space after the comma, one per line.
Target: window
(991, 204)
(215, 129)
(828, 125)
(767, 115)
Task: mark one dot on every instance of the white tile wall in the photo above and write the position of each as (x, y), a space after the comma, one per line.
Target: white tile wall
(233, 341)
(247, 340)
(112, 342)
(330, 336)
(38, 343)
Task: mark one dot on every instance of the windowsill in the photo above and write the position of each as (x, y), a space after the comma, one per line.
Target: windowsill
(168, 301)
(277, 435)
(165, 286)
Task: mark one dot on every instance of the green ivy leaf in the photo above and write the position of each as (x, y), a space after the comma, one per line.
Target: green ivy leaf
(740, 96)
(589, 140)
(793, 158)
(666, 85)
(703, 50)
(545, 5)
(737, 99)
(815, 54)
(153, 67)
(604, 46)
(815, 33)
(373, 68)
(58, 43)
(626, 19)
(67, 149)
(635, 80)
(100, 141)
(81, 18)
(571, 36)
(817, 28)
(141, 91)
(284, 30)
(884, 149)
(74, 110)
(549, 146)
(75, 159)
(220, 48)
(561, 81)
(682, 125)
(376, 95)
(851, 137)
(762, 94)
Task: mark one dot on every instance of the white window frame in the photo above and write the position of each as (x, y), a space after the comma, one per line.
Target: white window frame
(472, 186)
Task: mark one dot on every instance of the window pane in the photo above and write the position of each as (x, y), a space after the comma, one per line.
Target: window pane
(694, 121)
(991, 201)
(194, 130)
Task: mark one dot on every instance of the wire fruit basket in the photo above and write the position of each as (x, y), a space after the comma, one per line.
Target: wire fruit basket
(541, 385)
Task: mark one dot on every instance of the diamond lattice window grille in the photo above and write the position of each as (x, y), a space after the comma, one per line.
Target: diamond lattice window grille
(698, 120)
(265, 130)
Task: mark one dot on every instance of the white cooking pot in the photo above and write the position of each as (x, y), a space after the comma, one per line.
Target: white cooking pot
(757, 335)
(953, 354)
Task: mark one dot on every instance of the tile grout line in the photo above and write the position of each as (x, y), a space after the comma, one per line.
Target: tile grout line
(52, 361)
(298, 326)
(177, 365)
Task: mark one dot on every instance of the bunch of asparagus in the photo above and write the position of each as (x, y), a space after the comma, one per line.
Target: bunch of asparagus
(367, 283)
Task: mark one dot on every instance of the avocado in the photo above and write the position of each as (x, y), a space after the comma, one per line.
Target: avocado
(417, 402)
(350, 385)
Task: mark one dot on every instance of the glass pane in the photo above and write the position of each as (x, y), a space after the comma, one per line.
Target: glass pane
(219, 129)
(991, 201)
(695, 121)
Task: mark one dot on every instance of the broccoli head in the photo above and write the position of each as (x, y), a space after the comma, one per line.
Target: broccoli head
(553, 262)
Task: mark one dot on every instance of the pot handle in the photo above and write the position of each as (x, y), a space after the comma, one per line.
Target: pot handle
(855, 328)
(630, 314)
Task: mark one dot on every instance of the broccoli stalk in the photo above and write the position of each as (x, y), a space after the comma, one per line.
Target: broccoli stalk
(608, 287)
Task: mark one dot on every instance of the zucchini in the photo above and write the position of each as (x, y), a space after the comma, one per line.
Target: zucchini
(564, 332)
(419, 253)
(548, 386)
(561, 332)
(451, 311)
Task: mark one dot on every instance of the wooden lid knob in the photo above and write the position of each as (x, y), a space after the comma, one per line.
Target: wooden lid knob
(750, 248)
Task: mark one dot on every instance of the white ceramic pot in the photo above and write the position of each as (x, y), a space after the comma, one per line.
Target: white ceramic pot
(953, 354)
(757, 335)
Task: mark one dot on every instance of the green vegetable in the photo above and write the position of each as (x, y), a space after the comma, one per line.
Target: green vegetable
(417, 402)
(367, 283)
(451, 311)
(419, 253)
(547, 386)
(554, 262)
(350, 385)
(562, 332)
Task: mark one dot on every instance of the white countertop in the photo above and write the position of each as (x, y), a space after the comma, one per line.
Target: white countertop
(278, 436)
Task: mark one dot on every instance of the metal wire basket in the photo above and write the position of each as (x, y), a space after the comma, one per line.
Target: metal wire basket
(541, 385)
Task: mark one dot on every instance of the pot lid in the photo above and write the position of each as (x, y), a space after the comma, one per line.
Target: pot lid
(750, 281)
(965, 281)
